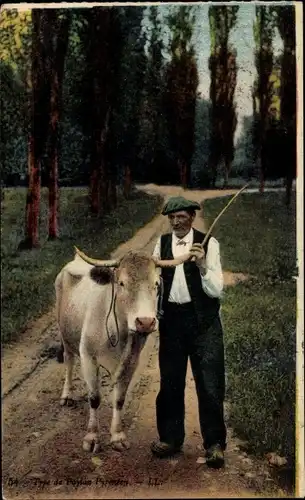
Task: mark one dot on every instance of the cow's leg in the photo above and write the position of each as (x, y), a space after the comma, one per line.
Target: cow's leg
(91, 371)
(118, 437)
(66, 396)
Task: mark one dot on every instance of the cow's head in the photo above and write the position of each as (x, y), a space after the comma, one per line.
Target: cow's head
(136, 278)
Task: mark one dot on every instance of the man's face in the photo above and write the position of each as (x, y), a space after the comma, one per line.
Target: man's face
(181, 222)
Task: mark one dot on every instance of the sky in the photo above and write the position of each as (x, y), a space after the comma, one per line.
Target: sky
(242, 39)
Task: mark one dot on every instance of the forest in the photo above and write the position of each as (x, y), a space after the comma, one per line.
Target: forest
(106, 97)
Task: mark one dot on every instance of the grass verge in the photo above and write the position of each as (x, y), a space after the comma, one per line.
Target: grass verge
(27, 277)
(258, 236)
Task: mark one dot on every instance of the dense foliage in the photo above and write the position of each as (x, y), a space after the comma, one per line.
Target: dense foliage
(131, 110)
(181, 91)
(274, 96)
(223, 68)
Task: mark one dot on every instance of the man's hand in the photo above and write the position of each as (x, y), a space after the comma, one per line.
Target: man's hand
(198, 253)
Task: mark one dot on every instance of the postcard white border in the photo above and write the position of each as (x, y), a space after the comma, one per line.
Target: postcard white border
(300, 445)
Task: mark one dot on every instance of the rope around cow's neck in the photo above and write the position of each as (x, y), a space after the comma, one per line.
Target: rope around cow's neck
(160, 310)
(112, 305)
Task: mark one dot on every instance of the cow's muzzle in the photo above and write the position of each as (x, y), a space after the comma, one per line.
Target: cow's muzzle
(145, 325)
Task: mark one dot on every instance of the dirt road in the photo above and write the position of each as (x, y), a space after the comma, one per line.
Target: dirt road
(42, 442)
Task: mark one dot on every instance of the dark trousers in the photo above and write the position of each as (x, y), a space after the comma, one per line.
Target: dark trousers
(180, 338)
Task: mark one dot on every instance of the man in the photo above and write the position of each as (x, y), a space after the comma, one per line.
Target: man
(190, 327)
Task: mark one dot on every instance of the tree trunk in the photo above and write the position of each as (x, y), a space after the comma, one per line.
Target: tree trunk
(261, 106)
(32, 200)
(289, 181)
(213, 168)
(112, 194)
(94, 191)
(109, 198)
(102, 83)
(96, 181)
(53, 198)
(263, 159)
(58, 60)
(104, 204)
(286, 25)
(261, 179)
(261, 137)
(127, 182)
(53, 159)
(183, 173)
(35, 141)
(105, 178)
(227, 169)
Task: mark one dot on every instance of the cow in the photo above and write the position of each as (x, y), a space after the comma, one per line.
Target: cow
(105, 311)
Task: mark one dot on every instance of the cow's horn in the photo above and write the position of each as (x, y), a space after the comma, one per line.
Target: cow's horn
(173, 262)
(96, 262)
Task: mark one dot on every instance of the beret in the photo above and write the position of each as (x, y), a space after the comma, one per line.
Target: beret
(177, 203)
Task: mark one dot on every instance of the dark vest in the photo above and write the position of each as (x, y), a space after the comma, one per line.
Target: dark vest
(205, 306)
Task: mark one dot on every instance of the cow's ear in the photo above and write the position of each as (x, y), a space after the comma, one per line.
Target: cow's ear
(101, 275)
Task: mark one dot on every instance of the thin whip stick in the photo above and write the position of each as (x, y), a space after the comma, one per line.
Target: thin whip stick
(220, 214)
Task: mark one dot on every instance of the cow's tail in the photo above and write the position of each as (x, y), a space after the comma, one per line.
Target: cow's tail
(58, 292)
(60, 353)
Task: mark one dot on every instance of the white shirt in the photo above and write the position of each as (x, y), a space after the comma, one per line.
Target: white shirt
(212, 280)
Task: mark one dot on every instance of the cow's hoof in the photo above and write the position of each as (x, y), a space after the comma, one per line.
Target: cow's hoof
(119, 441)
(66, 402)
(91, 442)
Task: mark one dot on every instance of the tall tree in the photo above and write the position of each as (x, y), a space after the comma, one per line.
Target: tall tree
(200, 169)
(39, 125)
(223, 68)
(117, 43)
(104, 45)
(181, 89)
(99, 26)
(285, 17)
(272, 154)
(128, 76)
(262, 98)
(49, 44)
(153, 138)
(57, 48)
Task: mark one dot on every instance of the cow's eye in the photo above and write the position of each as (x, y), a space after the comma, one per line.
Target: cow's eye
(121, 283)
